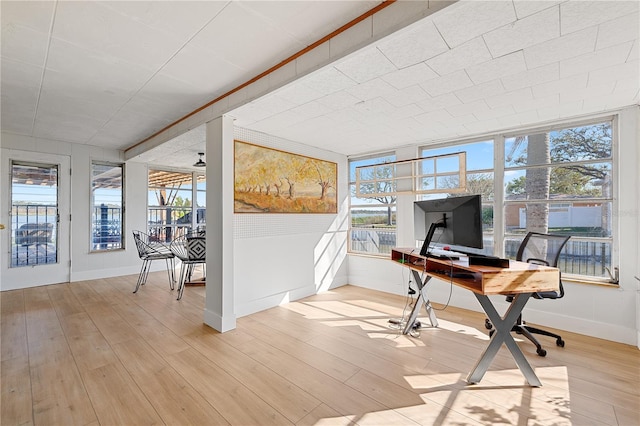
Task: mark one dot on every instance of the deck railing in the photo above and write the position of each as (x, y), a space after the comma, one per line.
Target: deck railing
(107, 228)
(589, 258)
(34, 232)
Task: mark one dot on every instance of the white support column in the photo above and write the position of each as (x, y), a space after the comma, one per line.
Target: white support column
(219, 310)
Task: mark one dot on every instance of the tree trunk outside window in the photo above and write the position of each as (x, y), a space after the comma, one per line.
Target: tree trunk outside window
(538, 182)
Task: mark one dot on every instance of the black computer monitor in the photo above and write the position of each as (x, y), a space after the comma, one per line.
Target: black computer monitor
(455, 220)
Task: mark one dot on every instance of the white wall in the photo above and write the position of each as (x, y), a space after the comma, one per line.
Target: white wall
(86, 265)
(608, 312)
(282, 257)
(278, 257)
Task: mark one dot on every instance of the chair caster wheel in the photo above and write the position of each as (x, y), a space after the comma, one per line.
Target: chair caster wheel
(487, 324)
(541, 352)
(491, 333)
(560, 343)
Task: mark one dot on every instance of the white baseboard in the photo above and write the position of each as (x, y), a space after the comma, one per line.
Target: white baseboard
(96, 274)
(219, 323)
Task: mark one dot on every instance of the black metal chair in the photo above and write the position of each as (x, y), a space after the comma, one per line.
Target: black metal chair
(150, 250)
(191, 249)
(541, 249)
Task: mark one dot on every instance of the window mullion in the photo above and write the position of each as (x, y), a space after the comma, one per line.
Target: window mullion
(498, 195)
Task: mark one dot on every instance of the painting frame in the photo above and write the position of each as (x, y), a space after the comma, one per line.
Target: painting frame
(270, 180)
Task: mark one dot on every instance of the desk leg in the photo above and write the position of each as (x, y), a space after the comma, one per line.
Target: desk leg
(422, 299)
(501, 335)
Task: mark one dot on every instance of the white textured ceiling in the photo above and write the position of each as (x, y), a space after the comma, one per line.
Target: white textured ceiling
(113, 73)
(472, 68)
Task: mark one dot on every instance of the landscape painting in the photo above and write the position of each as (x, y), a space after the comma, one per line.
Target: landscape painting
(273, 181)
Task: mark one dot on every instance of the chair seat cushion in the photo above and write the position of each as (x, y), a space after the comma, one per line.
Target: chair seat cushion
(546, 295)
(155, 256)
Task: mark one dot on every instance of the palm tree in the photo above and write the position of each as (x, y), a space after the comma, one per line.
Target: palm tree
(537, 182)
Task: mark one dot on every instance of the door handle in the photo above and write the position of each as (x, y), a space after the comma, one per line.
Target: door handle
(1, 226)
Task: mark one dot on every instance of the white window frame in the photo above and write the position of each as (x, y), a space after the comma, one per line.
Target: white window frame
(615, 238)
(92, 206)
(393, 206)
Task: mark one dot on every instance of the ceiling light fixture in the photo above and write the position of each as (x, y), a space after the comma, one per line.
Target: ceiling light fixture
(200, 162)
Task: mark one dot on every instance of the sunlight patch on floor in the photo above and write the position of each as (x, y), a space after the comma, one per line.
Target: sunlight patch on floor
(463, 329)
(310, 312)
(346, 309)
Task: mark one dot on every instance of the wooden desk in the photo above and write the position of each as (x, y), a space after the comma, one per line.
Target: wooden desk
(520, 279)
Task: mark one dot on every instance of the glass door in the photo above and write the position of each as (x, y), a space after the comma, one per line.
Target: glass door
(38, 223)
(34, 214)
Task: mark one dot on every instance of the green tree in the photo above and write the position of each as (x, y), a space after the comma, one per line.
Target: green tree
(516, 186)
(376, 186)
(580, 144)
(180, 202)
(478, 183)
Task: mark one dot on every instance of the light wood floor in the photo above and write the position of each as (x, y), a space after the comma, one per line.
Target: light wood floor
(93, 353)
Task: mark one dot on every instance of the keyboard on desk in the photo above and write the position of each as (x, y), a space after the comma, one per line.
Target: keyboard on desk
(444, 254)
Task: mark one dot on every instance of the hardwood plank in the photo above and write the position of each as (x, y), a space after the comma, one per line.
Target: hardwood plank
(163, 310)
(85, 293)
(91, 351)
(236, 403)
(151, 329)
(293, 402)
(434, 414)
(384, 391)
(325, 416)
(49, 351)
(41, 317)
(64, 300)
(627, 415)
(59, 395)
(175, 400)
(139, 357)
(97, 353)
(13, 326)
(116, 398)
(333, 393)
(285, 321)
(16, 400)
(329, 364)
(108, 292)
(112, 326)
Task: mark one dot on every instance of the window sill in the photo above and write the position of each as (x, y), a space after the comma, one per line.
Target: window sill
(107, 250)
(371, 255)
(601, 282)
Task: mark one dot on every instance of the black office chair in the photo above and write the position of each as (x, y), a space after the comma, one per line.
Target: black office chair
(541, 249)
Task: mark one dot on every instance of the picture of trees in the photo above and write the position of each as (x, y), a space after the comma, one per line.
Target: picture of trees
(273, 181)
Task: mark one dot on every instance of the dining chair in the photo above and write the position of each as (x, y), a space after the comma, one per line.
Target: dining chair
(149, 251)
(191, 250)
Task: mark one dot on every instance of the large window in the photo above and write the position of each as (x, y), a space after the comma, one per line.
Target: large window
(557, 180)
(107, 206)
(170, 209)
(201, 201)
(560, 181)
(479, 181)
(373, 218)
